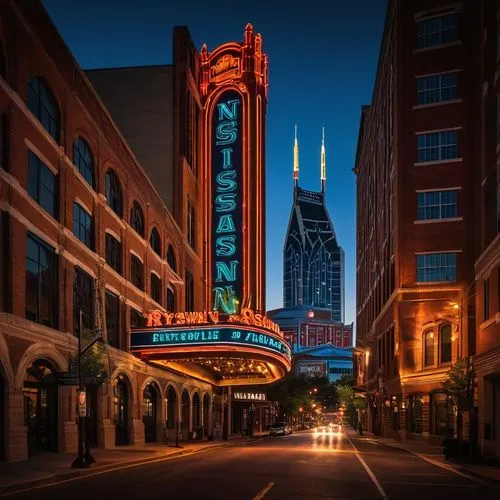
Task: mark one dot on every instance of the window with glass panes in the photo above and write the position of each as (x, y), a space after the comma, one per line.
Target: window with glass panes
(436, 88)
(137, 219)
(42, 184)
(437, 30)
(428, 348)
(136, 320)
(436, 205)
(114, 253)
(445, 343)
(83, 300)
(155, 241)
(83, 160)
(83, 225)
(156, 288)
(113, 319)
(136, 272)
(436, 267)
(41, 282)
(437, 146)
(170, 299)
(113, 193)
(42, 104)
(191, 224)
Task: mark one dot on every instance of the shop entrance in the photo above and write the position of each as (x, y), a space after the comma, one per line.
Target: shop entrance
(40, 407)
(121, 403)
(149, 413)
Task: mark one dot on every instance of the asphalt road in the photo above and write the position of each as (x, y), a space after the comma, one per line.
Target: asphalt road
(299, 466)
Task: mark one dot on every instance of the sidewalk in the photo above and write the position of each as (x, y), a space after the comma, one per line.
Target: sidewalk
(54, 467)
(434, 454)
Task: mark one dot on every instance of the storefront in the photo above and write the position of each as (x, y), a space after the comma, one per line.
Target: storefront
(251, 411)
(121, 402)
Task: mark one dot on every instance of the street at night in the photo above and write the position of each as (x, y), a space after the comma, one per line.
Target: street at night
(296, 466)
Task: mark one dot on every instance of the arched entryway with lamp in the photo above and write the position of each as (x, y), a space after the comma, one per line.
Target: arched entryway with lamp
(172, 413)
(185, 410)
(121, 409)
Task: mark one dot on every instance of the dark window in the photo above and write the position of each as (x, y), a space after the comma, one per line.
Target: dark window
(155, 241)
(83, 299)
(191, 224)
(428, 348)
(486, 299)
(436, 88)
(433, 205)
(4, 141)
(414, 414)
(156, 288)
(441, 414)
(433, 267)
(171, 258)
(436, 31)
(41, 282)
(137, 218)
(136, 272)
(114, 193)
(437, 146)
(189, 291)
(113, 319)
(84, 160)
(42, 184)
(83, 225)
(114, 253)
(170, 299)
(445, 340)
(42, 104)
(136, 320)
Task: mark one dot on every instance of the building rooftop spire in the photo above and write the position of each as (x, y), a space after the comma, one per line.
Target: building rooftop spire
(296, 159)
(323, 162)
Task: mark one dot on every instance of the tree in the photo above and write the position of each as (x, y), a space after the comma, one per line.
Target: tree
(351, 402)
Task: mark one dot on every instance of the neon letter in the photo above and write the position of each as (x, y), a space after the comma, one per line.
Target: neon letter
(225, 245)
(225, 202)
(229, 273)
(224, 297)
(226, 157)
(225, 112)
(226, 133)
(226, 182)
(226, 224)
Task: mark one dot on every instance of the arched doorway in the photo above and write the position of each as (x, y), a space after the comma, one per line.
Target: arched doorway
(206, 412)
(121, 398)
(196, 411)
(40, 407)
(3, 410)
(171, 405)
(149, 408)
(185, 410)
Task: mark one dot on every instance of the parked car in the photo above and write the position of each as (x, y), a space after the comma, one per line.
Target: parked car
(280, 429)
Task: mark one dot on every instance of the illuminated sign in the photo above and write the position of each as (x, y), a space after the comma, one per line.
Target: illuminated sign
(246, 317)
(209, 335)
(227, 242)
(249, 396)
(225, 68)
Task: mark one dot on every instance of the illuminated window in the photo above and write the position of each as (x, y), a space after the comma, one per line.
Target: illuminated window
(437, 146)
(137, 272)
(83, 160)
(155, 288)
(42, 184)
(436, 31)
(436, 267)
(114, 253)
(428, 348)
(445, 343)
(137, 219)
(436, 205)
(114, 193)
(83, 225)
(155, 241)
(436, 88)
(42, 104)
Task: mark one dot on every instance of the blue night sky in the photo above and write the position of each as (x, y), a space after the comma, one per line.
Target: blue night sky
(322, 62)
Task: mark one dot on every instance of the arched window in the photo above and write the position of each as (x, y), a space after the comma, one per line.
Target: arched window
(428, 348)
(170, 298)
(42, 104)
(84, 160)
(445, 343)
(155, 241)
(137, 218)
(171, 258)
(114, 193)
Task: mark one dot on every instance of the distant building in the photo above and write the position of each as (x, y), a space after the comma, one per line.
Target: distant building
(313, 261)
(305, 326)
(323, 361)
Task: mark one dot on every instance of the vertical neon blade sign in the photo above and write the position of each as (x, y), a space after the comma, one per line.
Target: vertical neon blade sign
(226, 202)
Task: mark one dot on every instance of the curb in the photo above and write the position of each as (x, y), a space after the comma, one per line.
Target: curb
(56, 479)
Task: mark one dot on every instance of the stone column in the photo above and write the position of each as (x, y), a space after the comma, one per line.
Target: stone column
(15, 431)
(68, 431)
(106, 422)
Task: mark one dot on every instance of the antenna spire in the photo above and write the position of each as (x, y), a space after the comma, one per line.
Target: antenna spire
(296, 159)
(323, 163)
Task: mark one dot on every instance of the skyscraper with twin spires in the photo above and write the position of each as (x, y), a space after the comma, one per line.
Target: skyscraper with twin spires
(313, 261)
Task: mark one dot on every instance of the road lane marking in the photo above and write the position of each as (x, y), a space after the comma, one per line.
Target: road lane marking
(368, 470)
(262, 493)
